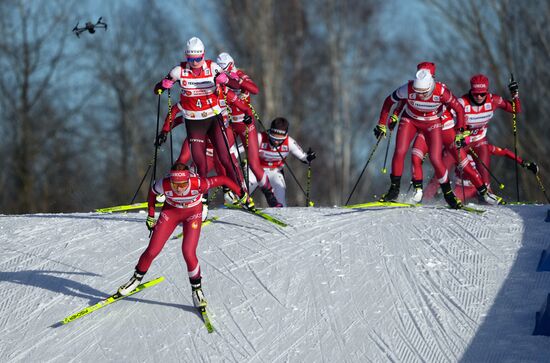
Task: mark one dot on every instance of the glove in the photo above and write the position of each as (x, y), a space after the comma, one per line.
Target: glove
(310, 155)
(460, 138)
(161, 139)
(235, 76)
(380, 130)
(248, 120)
(158, 88)
(221, 78)
(150, 222)
(393, 121)
(530, 165)
(514, 88)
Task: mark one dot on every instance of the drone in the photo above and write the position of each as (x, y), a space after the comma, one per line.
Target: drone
(90, 27)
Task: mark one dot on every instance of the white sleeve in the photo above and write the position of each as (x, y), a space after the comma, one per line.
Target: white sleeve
(157, 187)
(401, 93)
(215, 68)
(175, 73)
(296, 150)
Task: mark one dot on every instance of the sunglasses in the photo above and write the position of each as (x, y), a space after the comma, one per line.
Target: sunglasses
(196, 59)
(179, 185)
(479, 94)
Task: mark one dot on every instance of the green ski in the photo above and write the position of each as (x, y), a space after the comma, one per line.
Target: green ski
(379, 204)
(111, 299)
(259, 213)
(123, 208)
(207, 324)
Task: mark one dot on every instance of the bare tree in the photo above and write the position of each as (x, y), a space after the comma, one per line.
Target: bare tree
(139, 48)
(312, 61)
(34, 59)
(497, 38)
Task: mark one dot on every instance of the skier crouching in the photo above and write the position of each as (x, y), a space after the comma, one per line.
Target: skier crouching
(183, 191)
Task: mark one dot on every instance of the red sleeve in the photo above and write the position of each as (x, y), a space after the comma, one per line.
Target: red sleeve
(495, 150)
(247, 84)
(218, 181)
(452, 103)
(386, 107)
(234, 100)
(399, 108)
(506, 105)
(151, 200)
(168, 121)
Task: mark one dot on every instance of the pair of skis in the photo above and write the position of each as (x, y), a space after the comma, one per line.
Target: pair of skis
(116, 297)
(406, 205)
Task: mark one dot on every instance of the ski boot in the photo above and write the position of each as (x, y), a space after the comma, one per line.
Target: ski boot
(270, 198)
(134, 281)
(418, 192)
(530, 165)
(450, 197)
(229, 197)
(488, 197)
(393, 192)
(198, 297)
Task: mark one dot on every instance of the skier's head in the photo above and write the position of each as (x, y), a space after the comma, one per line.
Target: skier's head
(428, 66)
(278, 131)
(479, 87)
(179, 177)
(225, 61)
(423, 84)
(194, 52)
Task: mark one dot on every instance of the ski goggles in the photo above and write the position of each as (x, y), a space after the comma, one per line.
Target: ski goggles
(195, 59)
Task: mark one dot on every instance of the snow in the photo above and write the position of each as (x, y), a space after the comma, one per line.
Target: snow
(338, 285)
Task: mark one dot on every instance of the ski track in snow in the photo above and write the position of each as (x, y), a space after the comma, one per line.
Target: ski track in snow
(377, 285)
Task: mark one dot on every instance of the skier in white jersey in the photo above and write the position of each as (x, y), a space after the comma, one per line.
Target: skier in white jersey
(275, 145)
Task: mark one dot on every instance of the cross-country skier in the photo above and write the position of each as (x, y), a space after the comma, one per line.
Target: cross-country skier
(425, 99)
(275, 145)
(479, 106)
(243, 124)
(183, 191)
(200, 104)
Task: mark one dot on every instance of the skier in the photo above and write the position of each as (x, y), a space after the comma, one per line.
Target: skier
(479, 106)
(275, 145)
(243, 125)
(200, 104)
(425, 99)
(183, 191)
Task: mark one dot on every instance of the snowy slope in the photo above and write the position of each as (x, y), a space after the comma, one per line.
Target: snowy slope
(338, 285)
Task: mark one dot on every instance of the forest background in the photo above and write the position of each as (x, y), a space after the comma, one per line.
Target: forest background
(78, 115)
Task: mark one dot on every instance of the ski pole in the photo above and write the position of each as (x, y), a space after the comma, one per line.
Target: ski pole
(309, 203)
(392, 121)
(541, 186)
(461, 173)
(515, 130)
(280, 155)
(153, 160)
(365, 167)
(478, 160)
(170, 115)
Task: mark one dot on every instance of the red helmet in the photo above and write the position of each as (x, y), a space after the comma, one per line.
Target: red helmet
(427, 65)
(179, 176)
(479, 84)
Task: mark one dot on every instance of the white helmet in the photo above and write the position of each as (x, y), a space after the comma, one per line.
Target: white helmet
(423, 82)
(225, 60)
(194, 47)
